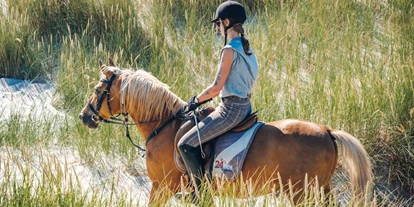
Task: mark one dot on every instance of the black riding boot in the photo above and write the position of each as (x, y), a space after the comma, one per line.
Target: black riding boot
(193, 164)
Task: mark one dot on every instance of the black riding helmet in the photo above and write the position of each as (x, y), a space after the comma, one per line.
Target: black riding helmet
(231, 10)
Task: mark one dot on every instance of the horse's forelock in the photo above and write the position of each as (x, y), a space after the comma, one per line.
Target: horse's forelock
(113, 69)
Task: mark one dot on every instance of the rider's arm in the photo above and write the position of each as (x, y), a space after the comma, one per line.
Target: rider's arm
(222, 73)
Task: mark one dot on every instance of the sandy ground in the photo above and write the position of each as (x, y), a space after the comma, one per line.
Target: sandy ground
(109, 176)
(25, 98)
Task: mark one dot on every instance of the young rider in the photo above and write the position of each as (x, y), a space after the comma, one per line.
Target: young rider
(236, 74)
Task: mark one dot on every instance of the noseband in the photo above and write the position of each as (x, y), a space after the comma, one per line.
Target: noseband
(105, 93)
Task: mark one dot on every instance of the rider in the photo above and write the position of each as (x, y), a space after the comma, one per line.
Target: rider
(236, 74)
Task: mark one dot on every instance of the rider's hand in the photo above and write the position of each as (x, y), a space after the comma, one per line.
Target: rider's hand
(192, 104)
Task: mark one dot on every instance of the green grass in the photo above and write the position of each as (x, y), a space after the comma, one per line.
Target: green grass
(344, 64)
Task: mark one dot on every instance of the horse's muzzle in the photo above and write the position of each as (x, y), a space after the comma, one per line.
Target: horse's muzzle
(88, 120)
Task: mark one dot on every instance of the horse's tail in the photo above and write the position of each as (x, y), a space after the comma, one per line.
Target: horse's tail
(356, 160)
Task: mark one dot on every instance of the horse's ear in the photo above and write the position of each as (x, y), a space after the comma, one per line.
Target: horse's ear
(111, 63)
(101, 65)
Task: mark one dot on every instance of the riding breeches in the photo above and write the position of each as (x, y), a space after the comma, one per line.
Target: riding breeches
(231, 111)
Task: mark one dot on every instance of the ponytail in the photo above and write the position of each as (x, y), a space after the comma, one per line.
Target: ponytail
(245, 42)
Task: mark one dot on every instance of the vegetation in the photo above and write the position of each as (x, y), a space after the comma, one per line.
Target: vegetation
(344, 64)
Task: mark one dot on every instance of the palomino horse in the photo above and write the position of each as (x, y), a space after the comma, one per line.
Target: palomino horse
(283, 151)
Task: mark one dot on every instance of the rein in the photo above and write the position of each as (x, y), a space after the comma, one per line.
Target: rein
(152, 135)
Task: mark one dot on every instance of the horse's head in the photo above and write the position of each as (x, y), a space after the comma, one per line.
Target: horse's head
(104, 102)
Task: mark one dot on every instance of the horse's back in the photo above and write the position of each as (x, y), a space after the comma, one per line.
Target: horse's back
(291, 148)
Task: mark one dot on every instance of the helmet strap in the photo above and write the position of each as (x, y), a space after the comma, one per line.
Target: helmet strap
(225, 30)
(225, 37)
(225, 34)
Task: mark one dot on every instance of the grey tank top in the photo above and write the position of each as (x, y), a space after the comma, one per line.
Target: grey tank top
(243, 72)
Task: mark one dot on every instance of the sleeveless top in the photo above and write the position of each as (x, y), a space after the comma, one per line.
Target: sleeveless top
(243, 72)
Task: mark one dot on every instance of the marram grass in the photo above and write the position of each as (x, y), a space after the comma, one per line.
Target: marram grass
(344, 64)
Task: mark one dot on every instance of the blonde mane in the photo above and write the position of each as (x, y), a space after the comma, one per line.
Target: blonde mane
(147, 97)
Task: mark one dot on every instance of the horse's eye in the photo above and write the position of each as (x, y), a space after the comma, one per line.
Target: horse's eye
(97, 91)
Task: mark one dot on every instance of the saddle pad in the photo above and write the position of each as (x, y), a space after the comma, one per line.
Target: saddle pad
(230, 151)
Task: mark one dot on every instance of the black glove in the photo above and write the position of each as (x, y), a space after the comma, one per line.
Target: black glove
(192, 104)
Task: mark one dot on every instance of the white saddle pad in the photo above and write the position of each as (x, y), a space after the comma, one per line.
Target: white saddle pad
(230, 151)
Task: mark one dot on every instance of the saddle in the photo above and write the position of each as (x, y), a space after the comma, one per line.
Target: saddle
(244, 125)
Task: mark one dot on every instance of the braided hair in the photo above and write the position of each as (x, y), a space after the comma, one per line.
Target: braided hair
(245, 42)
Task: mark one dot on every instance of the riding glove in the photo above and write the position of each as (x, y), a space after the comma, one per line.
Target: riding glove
(193, 103)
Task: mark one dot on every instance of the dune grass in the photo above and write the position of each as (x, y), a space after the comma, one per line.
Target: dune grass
(344, 64)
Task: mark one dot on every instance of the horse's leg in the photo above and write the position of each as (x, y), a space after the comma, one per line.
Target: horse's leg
(160, 194)
(162, 191)
(328, 196)
(155, 195)
(298, 194)
(302, 193)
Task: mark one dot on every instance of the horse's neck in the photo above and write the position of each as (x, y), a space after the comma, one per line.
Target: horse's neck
(151, 108)
(147, 129)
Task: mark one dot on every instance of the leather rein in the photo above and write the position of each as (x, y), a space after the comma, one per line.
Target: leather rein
(96, 118)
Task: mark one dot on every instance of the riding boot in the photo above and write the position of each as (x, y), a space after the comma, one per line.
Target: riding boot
(193, 164)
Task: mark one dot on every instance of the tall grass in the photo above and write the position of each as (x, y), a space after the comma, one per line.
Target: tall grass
(18, 54)
(345, 64)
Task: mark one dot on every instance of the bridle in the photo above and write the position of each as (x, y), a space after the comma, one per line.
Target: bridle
(106, 94)
(96, 118)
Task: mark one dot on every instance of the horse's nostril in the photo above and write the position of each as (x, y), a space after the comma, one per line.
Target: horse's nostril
(80, 116)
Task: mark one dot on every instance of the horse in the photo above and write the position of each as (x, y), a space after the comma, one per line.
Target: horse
(284, 151)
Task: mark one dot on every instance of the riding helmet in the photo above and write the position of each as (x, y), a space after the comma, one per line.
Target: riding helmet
(232, 10)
